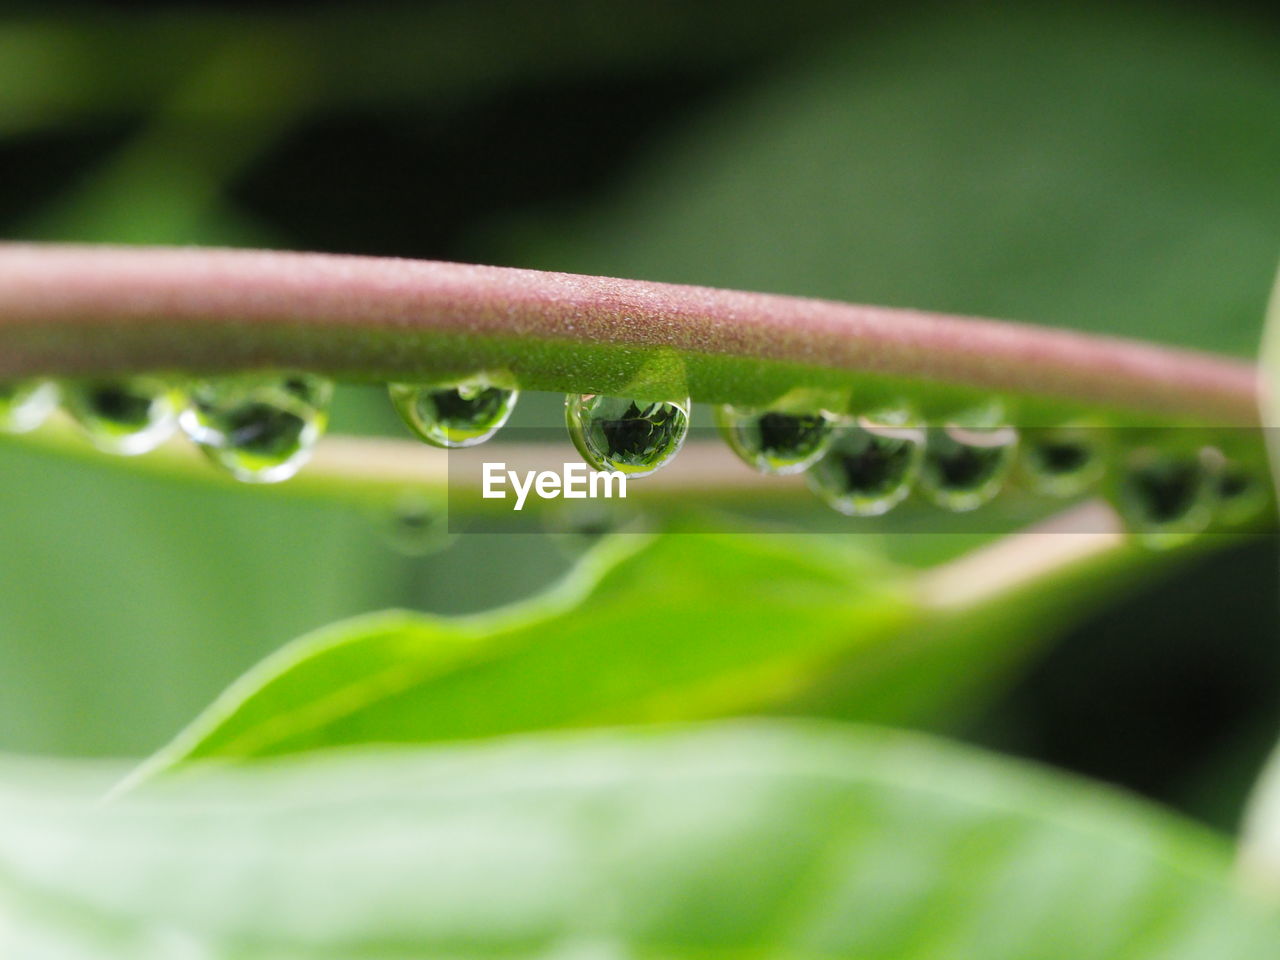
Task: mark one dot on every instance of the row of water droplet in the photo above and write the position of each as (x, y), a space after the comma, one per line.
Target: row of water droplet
(1169, 488)
(262, 427)
(864, 466)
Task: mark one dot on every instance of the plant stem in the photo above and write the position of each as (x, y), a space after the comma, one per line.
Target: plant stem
(376, 472)
(1079, 535)
(67, 310)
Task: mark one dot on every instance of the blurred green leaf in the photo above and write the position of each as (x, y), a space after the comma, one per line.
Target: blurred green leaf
(60, 68)
(662, 628)
(129, 601)
(168, 184)
(647, 628)
(735, 841)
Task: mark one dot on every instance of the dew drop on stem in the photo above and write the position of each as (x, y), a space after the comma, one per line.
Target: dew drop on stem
(635, 437)
(870, 465)
(459, 414)
(1166, 497)
(25, 404)
(775, 441)
(128, 416)
(1063, 461)
(968, 459)
(1240, 494)
(260, 428)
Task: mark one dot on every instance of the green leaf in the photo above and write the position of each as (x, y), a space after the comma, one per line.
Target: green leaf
(665, 628)
(631, 635)
(736, 841)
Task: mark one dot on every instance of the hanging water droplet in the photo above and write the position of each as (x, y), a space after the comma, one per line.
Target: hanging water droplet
(25, 404)
(1062, 461)
(967, 461)
(260, 428)
(127, 417)
(1241, 493)
(460, 414)
(870, 465)
(1166, 497)
(774, 441)
(635, 437)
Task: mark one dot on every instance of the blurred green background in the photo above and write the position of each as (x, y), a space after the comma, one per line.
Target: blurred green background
(1108, 167)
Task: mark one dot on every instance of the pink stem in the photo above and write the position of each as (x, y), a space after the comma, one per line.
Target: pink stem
(71, 309)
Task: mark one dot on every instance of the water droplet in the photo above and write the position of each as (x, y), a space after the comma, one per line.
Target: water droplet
(1166, 497)
(1242, 494)
(635, 437)
(460, 414)
(774, 441)
(260, 428)
(870, 465)
(415, 526)
(577, 527)
(127, 417)
(25, 404)
(967, 461)
(1062, 461)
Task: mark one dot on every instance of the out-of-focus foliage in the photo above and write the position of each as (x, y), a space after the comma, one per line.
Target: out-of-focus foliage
(792, 839)
(630, 636)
